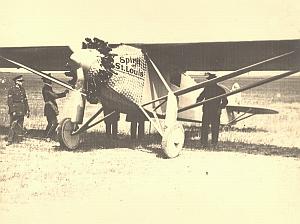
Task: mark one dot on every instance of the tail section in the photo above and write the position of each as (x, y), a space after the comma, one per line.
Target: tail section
(237, 98)
(188, 99)
(233, 100)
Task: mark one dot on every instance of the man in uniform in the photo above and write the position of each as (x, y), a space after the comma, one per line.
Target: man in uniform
(211, 111)
(51, 109)
(17, 108)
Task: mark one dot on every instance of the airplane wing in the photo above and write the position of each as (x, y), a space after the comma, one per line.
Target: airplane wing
(222, 56)
(171, 58)
(48, 58)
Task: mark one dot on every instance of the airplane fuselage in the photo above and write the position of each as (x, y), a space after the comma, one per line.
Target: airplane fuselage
(123, 91)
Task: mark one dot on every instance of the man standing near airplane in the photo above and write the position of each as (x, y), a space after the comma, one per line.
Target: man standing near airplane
(50, 108)
(211, 110)
(17, 107)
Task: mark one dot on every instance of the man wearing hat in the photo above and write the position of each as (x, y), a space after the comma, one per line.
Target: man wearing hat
(211, 110)
(50, 108)
(17, 108)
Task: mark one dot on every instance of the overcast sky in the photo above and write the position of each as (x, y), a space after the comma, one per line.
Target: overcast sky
(58, 22)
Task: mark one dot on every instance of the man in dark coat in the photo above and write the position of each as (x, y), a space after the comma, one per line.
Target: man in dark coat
(17, 107)
(51, 109)
(211, 111)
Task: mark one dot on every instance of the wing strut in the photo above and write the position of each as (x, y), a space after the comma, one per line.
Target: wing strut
(239, 118)
(222, 78)
(235, 120)
(159, 74)
(156, 122)
(259, 83)
(87, 125)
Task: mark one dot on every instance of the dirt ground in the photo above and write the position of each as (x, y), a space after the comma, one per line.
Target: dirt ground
(42, 184)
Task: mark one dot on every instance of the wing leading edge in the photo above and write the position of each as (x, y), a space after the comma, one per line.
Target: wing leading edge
(205, 56)
(49, 58)
(222, 56)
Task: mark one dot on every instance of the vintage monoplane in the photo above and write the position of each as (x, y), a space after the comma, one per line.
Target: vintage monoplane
(137, 79)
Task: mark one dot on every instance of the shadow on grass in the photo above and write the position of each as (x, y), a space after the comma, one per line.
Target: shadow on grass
(256, 149)
(191, 132)
(94, 140)
(31, 133)
(152, 144)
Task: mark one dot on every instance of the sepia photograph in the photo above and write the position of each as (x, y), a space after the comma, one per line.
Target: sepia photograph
(150, 111)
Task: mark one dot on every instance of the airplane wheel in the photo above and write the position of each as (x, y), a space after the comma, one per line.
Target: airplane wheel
(64, 131)
(172, 141)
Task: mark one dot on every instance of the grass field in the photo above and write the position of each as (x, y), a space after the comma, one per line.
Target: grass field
(265, 134)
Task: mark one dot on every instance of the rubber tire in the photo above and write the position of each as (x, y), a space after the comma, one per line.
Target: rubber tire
(66, 140)
(173, 140)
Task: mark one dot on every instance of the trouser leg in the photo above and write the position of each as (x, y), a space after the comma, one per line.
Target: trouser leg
(16, 122)
(115, 128)
(141, 130)
(204, 129)
(20, 123)
(53, 121)
(49, 124)
(11, 132)
(215, 130)
(133, 127)
(108, 128)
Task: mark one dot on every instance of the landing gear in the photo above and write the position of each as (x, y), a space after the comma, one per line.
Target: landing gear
(173, 140)
(65, 137)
